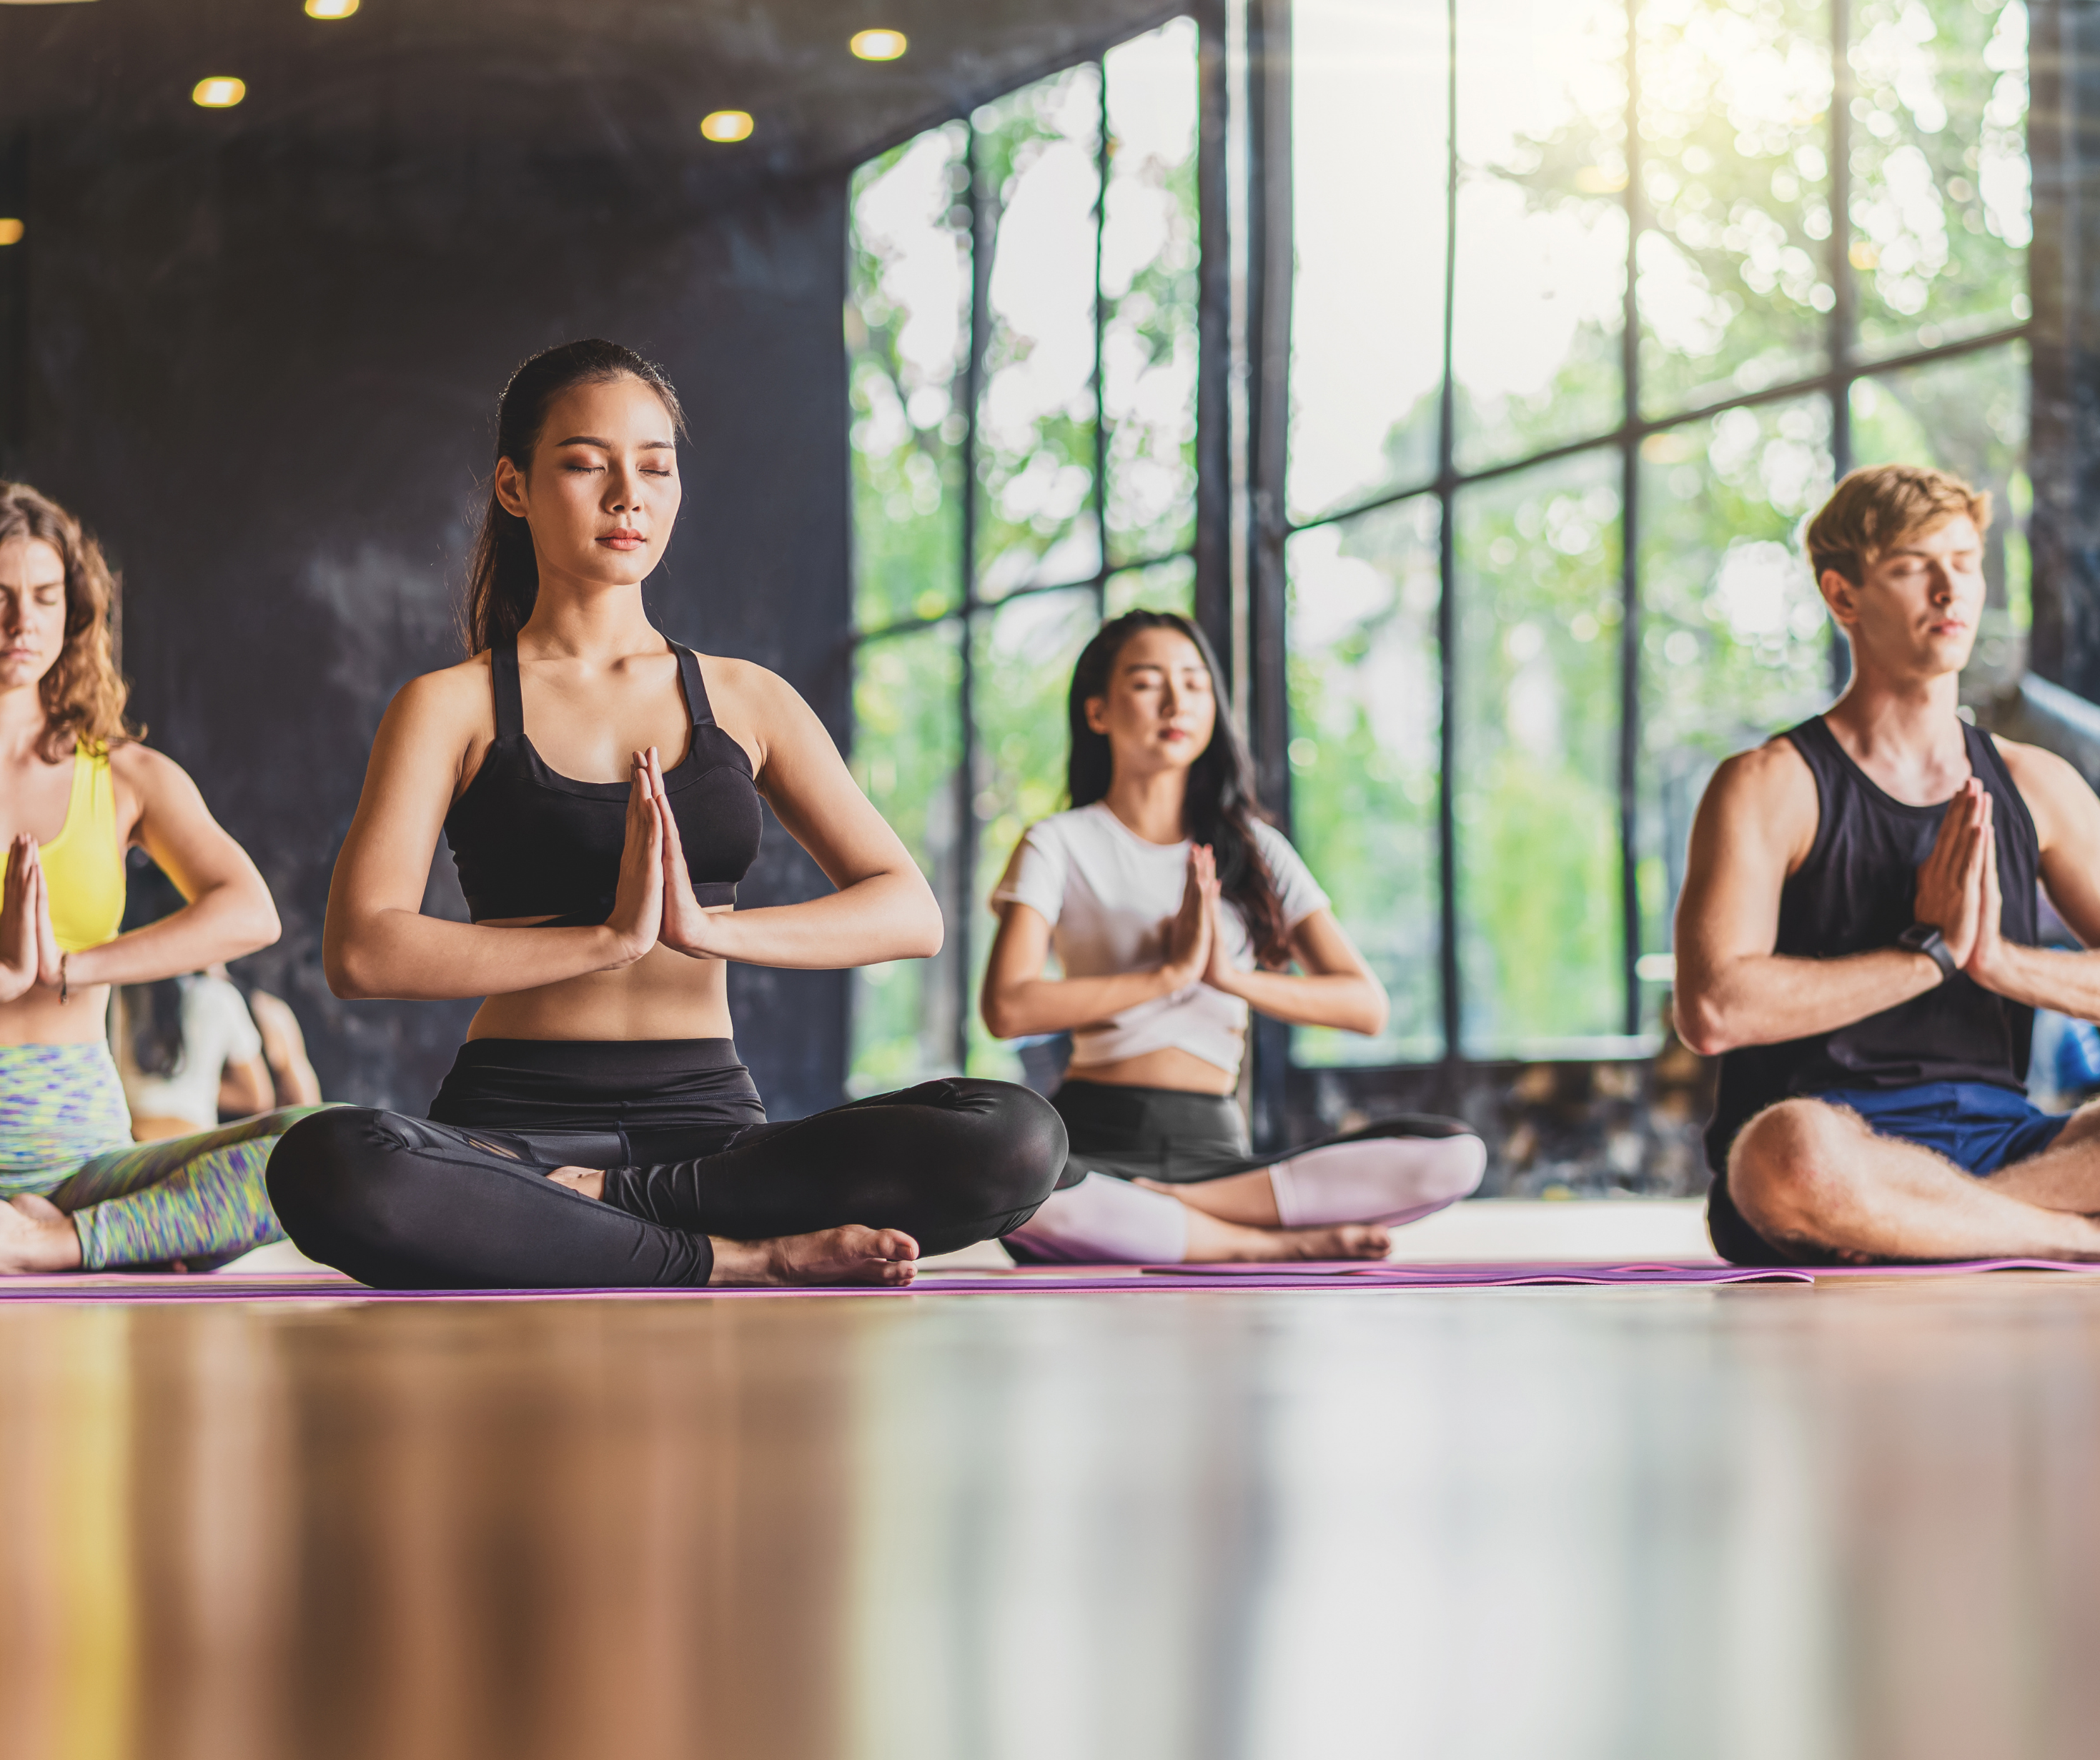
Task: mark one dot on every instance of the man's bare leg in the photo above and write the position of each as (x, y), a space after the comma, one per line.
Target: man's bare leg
(1811, 1177)
(2065, 1176)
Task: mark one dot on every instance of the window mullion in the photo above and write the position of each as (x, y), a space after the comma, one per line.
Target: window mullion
(1101, 331)
(966, 761)
(1844, 301)
(1629, 591)
(1843, 289)
(1447, 567)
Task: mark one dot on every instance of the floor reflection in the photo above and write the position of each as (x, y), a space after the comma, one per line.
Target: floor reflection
(1747, 1522)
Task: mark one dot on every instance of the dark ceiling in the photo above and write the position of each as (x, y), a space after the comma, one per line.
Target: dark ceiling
(630, 79)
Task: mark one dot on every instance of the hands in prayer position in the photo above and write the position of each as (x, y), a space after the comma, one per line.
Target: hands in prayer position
(1192, 935)
(1196, 946)
(1957, 884)
(654, 901)
(29, 950)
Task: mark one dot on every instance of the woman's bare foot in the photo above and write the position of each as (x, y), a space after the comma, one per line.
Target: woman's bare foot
(848, 1255)
(36, 1235)
(1212, 1241)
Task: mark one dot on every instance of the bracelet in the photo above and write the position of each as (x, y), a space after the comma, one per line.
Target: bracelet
(63, 958)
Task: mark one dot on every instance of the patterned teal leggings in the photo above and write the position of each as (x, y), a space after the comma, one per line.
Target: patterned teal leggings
(200, 1199)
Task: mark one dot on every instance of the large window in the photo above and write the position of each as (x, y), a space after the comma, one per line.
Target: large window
(1593, 302)
(1021, 327)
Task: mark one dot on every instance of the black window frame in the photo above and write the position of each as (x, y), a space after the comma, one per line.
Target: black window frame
(1204, 551)
(1845, 367)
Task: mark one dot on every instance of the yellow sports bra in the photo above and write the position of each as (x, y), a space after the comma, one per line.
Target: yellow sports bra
(83, 866)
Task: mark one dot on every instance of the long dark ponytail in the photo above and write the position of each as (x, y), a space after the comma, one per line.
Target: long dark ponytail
(503, 579)
(1220, 809)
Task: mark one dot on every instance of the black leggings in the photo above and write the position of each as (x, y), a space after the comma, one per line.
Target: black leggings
(461, 1200)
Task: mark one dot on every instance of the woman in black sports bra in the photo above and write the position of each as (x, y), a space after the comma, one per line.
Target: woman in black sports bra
(597, 1129)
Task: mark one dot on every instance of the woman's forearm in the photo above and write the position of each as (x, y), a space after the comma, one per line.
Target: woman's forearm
(1339, 999)
(403, 956)
(887, 917)
(1059, 1005)
(221, 923)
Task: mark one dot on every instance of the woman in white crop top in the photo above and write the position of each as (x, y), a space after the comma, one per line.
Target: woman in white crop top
(1173, 909)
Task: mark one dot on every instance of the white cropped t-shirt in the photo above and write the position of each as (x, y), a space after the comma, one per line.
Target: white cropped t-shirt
(217, 1030)
(1110, 899)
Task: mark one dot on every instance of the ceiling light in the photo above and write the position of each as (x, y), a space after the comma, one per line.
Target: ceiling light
(220, 92)
(879, 45)
(726, 125)
(11, 231)
(330, 9)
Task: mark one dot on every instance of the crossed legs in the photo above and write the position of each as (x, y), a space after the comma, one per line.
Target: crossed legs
(1813, 1181)
(197, 1200)
(1331, 1200)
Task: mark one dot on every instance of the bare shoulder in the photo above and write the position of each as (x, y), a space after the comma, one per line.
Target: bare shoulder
(454, 694)
(156, 797)
(759, 708)
(2035, 770)
(1773, 777)
(746, 688)
(2058, 799)
(147, 773)
(1760, 813)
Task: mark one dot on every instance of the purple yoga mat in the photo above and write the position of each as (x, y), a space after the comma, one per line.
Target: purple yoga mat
(1954, 1267)
(1478, 1274)
(1076, 1280)
(329, 1286)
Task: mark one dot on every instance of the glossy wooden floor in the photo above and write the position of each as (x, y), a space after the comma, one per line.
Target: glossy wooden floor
(1751, 1521)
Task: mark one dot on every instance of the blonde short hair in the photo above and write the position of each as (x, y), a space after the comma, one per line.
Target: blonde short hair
(1875, 509)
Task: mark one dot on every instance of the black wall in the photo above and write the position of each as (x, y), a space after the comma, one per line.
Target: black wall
(263, 366)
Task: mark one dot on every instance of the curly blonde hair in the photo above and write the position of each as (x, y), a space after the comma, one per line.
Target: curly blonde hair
(84, 694)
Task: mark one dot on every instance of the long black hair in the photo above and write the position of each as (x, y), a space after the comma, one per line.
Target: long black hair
(1220, 808)
(503, 579)
(152, 1011)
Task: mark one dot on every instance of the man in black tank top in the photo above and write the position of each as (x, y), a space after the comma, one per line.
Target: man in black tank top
(1854, 938)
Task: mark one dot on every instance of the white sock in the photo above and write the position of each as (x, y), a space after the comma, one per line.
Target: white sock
(1105, 1220)
(1376, 1179)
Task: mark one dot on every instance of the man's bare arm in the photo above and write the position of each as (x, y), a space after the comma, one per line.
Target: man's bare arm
(1754, 826)
(2066, 817)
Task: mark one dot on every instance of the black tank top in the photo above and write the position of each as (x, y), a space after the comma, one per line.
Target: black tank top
(528, 842)
(1857, 890)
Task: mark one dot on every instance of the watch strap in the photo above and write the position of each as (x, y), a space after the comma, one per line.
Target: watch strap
(1923, 938)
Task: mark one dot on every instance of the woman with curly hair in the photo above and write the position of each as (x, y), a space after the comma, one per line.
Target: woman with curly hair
(76, 790)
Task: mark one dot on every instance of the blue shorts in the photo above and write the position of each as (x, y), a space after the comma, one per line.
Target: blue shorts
(1974, 1124)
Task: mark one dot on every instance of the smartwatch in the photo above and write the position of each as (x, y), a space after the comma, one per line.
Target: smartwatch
(1922, 938)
